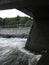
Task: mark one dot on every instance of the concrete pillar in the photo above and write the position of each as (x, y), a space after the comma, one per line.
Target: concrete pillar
(39, 35)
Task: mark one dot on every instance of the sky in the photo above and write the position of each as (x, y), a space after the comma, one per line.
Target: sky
(11, 13)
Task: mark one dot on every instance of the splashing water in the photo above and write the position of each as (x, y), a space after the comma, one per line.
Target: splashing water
(12, 52)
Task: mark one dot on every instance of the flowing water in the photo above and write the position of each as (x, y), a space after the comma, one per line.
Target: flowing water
(13, 53)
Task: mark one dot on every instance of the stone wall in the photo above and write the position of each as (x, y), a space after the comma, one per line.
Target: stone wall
(39, 37)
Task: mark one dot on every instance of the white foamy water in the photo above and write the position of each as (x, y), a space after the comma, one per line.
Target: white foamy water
(12, 52)
(13, 42)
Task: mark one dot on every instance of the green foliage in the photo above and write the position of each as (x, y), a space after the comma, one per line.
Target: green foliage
(13, 22)
(24, 20)
(17, 20)
(28, 23)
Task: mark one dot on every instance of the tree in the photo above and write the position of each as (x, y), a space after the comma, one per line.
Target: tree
(24, 20)
(28, 23)
(1, 22)
(17, 19)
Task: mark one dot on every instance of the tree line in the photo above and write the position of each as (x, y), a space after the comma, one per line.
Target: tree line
(16, 22)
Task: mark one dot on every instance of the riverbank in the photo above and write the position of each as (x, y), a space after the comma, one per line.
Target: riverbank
(14, 32)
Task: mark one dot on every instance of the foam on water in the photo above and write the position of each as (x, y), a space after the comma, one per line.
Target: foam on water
(12, 52)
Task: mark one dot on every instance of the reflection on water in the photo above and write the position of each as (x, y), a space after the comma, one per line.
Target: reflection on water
(12, 52)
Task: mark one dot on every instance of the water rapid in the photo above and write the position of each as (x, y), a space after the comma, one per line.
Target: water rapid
(13, 53)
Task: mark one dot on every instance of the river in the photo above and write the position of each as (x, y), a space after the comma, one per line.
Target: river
(12, 52)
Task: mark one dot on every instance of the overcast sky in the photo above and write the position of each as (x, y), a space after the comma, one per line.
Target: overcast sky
(11, 13)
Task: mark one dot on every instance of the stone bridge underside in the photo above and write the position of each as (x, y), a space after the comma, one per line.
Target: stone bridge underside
(38, 41)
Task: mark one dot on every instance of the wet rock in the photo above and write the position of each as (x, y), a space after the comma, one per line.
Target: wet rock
(13, 36)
